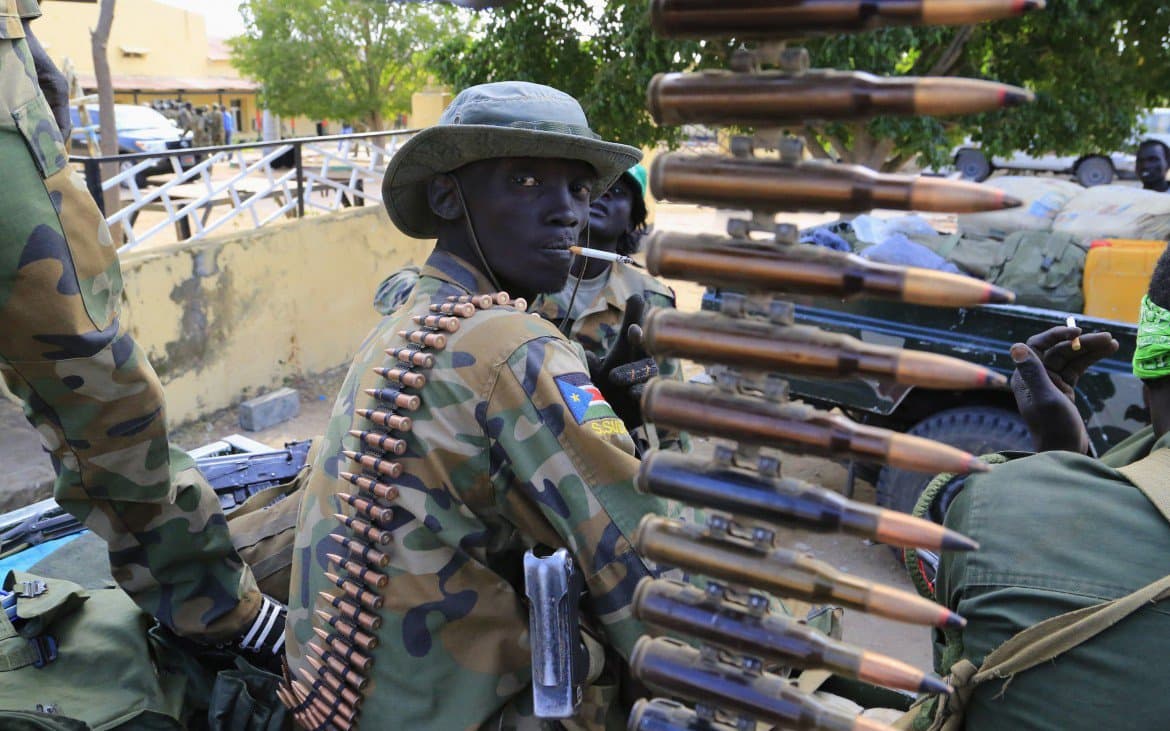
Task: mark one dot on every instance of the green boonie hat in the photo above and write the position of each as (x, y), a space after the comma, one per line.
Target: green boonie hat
(504, 119)
(639, 175)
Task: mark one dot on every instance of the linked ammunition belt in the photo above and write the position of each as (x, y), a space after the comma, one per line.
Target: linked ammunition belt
(329, 694)
(736, 674)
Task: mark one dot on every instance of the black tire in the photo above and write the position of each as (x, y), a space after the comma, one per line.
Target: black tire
(976, 429)
(1094, 171)
(972, 164)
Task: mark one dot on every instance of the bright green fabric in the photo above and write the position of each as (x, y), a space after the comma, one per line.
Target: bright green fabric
(1151, 358)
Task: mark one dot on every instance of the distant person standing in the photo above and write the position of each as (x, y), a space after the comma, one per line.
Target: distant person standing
(199, 126)
(215, 125)
(1153, 160)
(186, 119)
(229, 125)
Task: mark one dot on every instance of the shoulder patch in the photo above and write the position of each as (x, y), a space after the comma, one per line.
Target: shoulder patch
(583, 399)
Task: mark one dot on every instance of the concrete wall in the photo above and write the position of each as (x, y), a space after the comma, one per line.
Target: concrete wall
(226, 318)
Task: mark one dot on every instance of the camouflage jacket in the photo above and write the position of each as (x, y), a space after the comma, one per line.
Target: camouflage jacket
(510, 447)
(12, 12)
(597, 327)
(395, 290)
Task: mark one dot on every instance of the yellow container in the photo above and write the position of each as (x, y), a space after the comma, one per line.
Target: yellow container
(1117, 275)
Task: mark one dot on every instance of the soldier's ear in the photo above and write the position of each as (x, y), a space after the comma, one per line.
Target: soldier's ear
(443, 198)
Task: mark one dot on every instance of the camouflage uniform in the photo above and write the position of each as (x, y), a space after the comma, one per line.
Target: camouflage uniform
(86, 387)
(511, 447)
(395, 290)
(596, 329)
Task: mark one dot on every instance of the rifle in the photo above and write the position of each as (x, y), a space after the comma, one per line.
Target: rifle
(234, 477)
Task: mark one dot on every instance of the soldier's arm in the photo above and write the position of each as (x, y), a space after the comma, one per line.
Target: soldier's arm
(51, 80)
(572, 475)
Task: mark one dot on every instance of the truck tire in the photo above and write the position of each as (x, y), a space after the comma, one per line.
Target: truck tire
(1094, 171)
(976, 429)
(972, 164)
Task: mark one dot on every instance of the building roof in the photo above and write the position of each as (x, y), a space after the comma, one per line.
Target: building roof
(185, 84)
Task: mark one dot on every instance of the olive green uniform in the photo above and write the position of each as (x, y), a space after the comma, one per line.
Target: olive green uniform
(1059, 532)
(86, 386)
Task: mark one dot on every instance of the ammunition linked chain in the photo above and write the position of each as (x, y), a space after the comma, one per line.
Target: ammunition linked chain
(328, 697)
(753, 345)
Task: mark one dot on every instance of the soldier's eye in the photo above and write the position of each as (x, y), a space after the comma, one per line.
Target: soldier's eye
(582, 189)
(528, 181)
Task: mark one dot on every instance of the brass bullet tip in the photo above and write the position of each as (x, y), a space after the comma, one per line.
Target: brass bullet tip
(1027, 6)
(954, 541)
(952, 620)
(934, 684)
(996, 381)
(974, 464)
(1010, 201)
(998, 296)
(1013, 98)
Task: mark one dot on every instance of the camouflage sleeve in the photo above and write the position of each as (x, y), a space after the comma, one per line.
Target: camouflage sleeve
(28, 9)
(395, 290)
(573, 469)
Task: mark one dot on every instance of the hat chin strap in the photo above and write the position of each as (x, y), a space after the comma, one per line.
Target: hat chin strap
(474, 239)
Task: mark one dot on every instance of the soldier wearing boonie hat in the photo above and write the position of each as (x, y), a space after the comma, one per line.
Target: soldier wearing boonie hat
(465, 433)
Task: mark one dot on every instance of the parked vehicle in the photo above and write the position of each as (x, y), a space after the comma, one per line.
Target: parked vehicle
(140, 129)
(1089, 169)
(1108, 396)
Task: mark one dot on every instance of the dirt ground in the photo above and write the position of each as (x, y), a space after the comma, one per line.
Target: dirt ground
(29, 471)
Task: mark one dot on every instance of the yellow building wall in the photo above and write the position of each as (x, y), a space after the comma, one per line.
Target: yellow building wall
(227, 318)
(173, 43)
(175, 40)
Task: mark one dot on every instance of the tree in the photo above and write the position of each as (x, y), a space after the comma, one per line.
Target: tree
(107, 128)
(354, 60)
(602, 54)
(1094, 65)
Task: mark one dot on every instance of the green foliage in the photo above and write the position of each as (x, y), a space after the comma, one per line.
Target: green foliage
(1094, 65)
(356, 60)
(604, 55)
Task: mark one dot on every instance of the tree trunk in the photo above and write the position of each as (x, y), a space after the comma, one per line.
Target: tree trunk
(99, 37)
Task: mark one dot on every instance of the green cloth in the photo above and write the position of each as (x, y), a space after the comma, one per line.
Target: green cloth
(1151, 358)
(1059, 532)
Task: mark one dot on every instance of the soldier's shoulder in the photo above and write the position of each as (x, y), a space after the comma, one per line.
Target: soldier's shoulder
(509, 326)
(650, 287)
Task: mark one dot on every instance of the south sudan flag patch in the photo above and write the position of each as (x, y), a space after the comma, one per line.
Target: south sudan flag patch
(585, 402)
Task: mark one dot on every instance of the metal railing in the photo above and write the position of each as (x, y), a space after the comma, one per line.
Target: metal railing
(267, 181)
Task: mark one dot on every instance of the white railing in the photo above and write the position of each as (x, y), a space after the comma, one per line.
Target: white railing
(266, 182)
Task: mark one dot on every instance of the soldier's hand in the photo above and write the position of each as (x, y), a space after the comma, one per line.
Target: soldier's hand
(52, 82)
(1044, 382)
(627, 366)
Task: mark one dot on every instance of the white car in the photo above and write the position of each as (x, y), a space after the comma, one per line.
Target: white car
(1089, 169)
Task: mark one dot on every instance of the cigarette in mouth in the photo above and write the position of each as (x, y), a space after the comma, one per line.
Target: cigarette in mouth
(598, 254)
(1072, 322)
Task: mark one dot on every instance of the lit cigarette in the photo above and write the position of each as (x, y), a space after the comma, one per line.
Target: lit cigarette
(598, 254)
(1072, 322)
